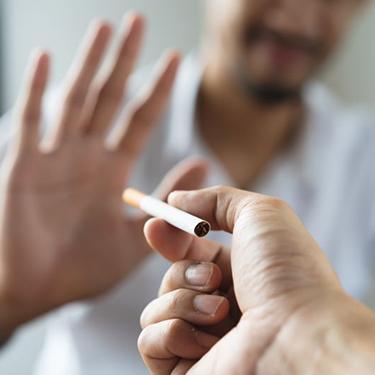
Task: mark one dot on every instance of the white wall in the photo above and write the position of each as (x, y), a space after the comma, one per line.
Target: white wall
(352, 72)
(58, 26)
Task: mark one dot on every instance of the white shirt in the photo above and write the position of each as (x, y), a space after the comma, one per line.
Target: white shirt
(327, 176)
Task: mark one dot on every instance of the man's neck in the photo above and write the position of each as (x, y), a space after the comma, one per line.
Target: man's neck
(242, 133)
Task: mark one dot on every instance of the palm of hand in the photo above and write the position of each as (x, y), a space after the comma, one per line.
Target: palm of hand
(69, 203)
(63, 231)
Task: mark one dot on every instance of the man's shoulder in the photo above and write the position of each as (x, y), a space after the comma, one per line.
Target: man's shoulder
(340, 155)
(340, 142)
(339, 122)
(321, 99)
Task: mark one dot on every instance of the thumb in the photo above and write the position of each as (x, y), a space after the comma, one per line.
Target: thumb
(249, 342)
(219, 205)
(188, 174)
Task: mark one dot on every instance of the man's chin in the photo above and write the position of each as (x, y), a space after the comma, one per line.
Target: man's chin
(267, 91)
(268, 85)
(270, 94)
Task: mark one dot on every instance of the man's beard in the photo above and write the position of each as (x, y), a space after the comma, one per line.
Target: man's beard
(273, 93)
(266, 93)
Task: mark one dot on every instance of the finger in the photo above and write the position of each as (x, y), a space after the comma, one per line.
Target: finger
(145, 111)
(188, 174)
(175, 245)
(186, 274)
(29, 107)
(183, 367)
(221, 206)
(191, 306)
(163, 344)
(80, 77)
(249, 344)
(112, 91)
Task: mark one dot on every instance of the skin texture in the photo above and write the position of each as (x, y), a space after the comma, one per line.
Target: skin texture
(278, 294)
(63, 232)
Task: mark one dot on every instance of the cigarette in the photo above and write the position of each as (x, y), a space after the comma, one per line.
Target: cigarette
(156, 208)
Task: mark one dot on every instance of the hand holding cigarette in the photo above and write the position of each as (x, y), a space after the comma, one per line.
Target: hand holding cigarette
(159, 209)
(272, 292)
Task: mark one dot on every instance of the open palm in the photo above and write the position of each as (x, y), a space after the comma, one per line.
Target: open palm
(63, 232)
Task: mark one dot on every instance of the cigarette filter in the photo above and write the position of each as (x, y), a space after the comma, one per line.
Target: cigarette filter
(156, 208)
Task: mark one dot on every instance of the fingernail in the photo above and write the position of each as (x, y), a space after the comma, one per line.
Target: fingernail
(207, 304)
(199, 274)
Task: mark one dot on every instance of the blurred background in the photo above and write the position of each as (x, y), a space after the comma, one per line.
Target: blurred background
(58, 26)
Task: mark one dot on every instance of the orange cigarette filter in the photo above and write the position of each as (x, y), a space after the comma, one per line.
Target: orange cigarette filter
(133, 197)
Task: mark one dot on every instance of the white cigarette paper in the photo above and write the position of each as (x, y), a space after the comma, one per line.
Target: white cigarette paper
(172, 215)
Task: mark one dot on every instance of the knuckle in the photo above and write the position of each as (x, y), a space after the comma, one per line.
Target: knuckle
(143, 340)
(176, 301)
(174, 278)
(163, 288)
(224, 194)
(143, 319)
(221, 189)
(173, 331)
(150, 313)
(168, 283)
(276, 203)
(177, 271)
(265, 204)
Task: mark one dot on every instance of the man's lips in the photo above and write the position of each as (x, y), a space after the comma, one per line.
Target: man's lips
(280, 54)
(282, 49)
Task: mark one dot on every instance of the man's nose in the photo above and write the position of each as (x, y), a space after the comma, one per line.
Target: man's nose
(295, 17)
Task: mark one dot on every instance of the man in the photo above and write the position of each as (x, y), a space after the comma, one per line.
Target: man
(248, 106)
(271, 304)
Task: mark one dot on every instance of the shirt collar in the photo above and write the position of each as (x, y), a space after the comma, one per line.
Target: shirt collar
(182, 139)
(181, 122)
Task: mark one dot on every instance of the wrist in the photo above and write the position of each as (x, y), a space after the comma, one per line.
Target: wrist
(333, 335)
(349, 338)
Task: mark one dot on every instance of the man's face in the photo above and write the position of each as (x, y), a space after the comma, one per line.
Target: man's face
(277, 44)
